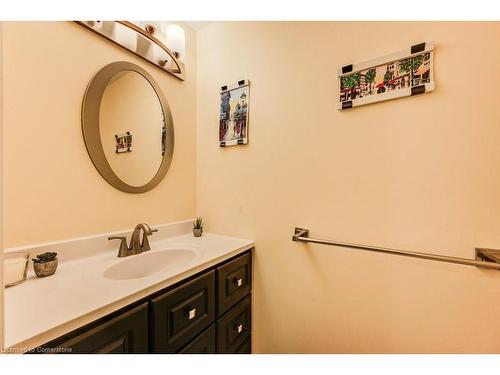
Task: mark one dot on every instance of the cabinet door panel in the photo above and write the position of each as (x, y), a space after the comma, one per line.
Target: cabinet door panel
(246, 347)
(179, 315)
(124, 333)
(203, 344)
(234, 327)
(234, 281)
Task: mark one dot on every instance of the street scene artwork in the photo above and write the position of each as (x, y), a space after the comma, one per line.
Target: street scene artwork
(233, 122)
(386, 78)
(123, 143)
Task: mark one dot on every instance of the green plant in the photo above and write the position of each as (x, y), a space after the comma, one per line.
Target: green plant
(198, 223)
(45, 257)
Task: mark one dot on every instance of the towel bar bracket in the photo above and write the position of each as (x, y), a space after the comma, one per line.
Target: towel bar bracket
(485, 258)
(300, 232)
(488, 255)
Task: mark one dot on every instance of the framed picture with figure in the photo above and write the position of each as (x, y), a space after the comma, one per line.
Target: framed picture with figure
(233, 119)
(123, 143)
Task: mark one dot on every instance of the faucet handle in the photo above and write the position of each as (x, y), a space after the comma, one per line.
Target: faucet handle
(145, 242)
(123, 251)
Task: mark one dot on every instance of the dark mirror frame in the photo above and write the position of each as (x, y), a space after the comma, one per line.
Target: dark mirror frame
(91, 133)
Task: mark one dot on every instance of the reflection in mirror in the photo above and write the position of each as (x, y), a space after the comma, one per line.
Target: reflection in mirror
(132, 128)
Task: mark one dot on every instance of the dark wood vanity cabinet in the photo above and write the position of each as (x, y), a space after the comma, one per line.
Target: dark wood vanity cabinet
(207, 313)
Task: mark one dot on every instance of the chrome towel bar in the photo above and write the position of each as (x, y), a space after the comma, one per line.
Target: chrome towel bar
(485, 258)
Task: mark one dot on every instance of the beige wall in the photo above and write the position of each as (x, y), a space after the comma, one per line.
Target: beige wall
(419, 173)
(52, 190)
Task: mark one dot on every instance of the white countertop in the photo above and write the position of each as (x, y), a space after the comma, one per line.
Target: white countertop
(42, 309)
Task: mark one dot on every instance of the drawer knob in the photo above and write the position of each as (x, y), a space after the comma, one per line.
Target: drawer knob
(239, 328)
(191, 313)
(238, 282)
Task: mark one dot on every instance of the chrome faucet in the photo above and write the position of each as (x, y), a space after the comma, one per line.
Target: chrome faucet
(136, 246)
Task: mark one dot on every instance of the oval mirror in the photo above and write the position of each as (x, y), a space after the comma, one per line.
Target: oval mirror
(127, 127)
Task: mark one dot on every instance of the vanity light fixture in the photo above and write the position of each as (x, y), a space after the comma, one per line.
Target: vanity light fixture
(145, 41)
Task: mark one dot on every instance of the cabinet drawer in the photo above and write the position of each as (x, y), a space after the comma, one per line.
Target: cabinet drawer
(124, 333)
(203, 344)
(235, 327)
(234, 281)
(179, 315)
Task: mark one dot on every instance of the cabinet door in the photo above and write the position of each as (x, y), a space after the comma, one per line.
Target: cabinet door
(234, 327)
(124, 333)
(179, 315)
(234, 281)
(203, 344)
(246, 347)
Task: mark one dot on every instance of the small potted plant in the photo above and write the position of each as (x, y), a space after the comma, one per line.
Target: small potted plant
(45, 264)
(198, 227)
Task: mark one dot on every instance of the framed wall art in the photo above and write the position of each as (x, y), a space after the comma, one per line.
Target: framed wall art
(403, 73)
(123, 143)
(233, 120)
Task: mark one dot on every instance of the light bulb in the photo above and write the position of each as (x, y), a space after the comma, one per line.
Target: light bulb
(125, 37)
(176, 40)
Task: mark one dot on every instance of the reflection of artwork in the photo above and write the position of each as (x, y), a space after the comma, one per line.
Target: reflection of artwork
(379, 80)
(233, 121)
(163, 139)
(123, 143)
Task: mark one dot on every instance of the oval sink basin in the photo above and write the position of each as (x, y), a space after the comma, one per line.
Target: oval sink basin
(148, 263)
